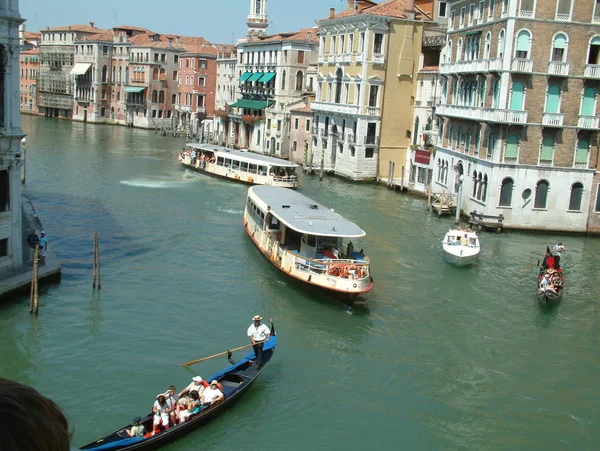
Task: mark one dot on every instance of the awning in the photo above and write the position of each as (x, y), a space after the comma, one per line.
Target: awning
(245, 76)
(267, 77)
(256, 76)
(252, 104)
(472, 33)
(80, 68)
(134, 88)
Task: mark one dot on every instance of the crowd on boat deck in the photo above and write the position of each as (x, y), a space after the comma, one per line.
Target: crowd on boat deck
(171, 409)
(195, 156)
(463, 240)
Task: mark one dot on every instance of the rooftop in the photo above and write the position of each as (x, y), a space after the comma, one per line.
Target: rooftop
(389, 8)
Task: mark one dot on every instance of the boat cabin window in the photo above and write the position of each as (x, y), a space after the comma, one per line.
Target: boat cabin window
(262, 170)
(220, 161)
(472, 241)
(257, 215)
(227, 162)
(244, 166)
(235, 164)
(273, 222)
(252, 168)
(311, 240)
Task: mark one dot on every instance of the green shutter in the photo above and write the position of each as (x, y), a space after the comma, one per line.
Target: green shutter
(547, 149)
(552, 99)
(588, 105)
(523, 41)
(512, 144)
(595, 41)
(581, 154)
(560, 41)
(517, 96)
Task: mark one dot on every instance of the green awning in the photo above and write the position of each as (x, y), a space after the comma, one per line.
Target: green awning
(267, 77)
(252, 104)
(472, 33)
(245, 76)
(255, 76)
(134, 88)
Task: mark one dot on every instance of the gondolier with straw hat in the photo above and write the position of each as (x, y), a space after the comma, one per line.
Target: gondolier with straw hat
(258, 333)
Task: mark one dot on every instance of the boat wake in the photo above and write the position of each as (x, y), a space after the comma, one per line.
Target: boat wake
(154, 184)
(231, 211)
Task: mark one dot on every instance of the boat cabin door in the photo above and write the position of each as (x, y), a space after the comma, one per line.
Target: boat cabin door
(308, 246)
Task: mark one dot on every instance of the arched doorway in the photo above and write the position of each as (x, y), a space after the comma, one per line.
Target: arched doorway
(458, 173)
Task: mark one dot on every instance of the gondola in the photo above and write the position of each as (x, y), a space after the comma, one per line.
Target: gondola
(551, 295)
(235, 382)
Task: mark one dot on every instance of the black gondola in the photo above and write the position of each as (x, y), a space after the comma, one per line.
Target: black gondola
(550, 292)
(235, 381)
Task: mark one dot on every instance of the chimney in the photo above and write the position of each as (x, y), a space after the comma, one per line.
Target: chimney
(92, 24)
(410, 9)
(331, 13)
(309, 36)
(169, 43)
(350, 5)
(362, 4)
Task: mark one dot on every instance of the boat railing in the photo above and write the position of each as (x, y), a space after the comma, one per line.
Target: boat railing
(333, 267)
(285, 178)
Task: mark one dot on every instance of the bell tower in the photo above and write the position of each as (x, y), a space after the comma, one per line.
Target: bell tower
(257, 19)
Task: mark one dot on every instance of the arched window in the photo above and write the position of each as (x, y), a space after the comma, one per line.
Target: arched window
(459, 50)
(163, 74)
(559, 48)
(506, 192)
(523, 47)
(104, 74)
(500, 50)
(511, 149)
(155, 73)
(103, 93)
(283, 76)
(449, 52)
(553, 99)
(120, 79)
(299, 81)
(127, 75)
(517, 95)
(541, 194)
(496, 92)
(474, 184)
(446, 173)
(338, 85)
(479, 185)
(594, 47)
(575, 200)
(484, 191)
(154, 96)
(161, 97)
(114, 75)
(547, 151)
(582, 153)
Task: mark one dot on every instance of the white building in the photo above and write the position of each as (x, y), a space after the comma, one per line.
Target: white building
(11, 158)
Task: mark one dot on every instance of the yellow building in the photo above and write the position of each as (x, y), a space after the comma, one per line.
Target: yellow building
(363, 112)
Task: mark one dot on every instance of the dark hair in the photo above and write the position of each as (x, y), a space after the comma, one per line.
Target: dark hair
(137, 420)
(172, 387)
(194, 395)
(29, 420)
(162, 399)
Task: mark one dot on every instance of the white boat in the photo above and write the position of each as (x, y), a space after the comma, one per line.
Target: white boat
(461, 247)
(239, 166)
(307, 241)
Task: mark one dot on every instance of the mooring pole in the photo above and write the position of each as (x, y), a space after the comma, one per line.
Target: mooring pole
(33, 300)
(322, 165)
(97, 280)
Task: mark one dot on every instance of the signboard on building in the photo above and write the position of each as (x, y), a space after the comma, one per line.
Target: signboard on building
(422, 157)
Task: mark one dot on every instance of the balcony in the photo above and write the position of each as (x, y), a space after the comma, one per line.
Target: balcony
(592, 71)
(321, 59)
(334, 107)
(495, 64)
(331, 59)
(463, 112)
(558, 69)
(268, 132)
(360, 57)
(504, 116)
(371, 140)
(378, 58)
(588, 122)
(522, 65)
(474, 66)
(527, 14)
(563, 17)
(373, 110)
(553, 119)
(351, 138)
(347, 57)
(323, 132)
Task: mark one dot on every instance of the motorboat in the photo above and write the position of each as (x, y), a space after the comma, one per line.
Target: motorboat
(461, 247)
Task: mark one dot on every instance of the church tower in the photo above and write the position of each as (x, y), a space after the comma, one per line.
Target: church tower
(257, 19)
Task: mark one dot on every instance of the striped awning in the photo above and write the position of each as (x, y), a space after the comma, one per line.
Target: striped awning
(245, 76)
(255, 76)
(267, 77)
(252, 104)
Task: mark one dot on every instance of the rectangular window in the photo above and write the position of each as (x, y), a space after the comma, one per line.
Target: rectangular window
(596, 18)
(463, 11)
(361, 43)
(563, 10)
(4, 191)
(294, 146)
(369, 152)
(4, 247)
(351, 42)
(202, 63)
(597, 209)
(373, 91)
(378, 43)
(201, 81)
(472, 13)
(174, 98)
(307, 125)
(174, 75)
(480, 15)
(296, 123)
(279, 126)
(451, 21)
(442, 10)
(300, 57)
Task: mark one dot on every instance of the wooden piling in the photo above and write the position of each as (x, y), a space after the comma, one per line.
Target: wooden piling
(97, 280)
(34, 298)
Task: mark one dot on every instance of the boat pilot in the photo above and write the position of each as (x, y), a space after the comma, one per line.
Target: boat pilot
(258, 333)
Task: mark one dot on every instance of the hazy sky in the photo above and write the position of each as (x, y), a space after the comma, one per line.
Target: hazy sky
(214, 20)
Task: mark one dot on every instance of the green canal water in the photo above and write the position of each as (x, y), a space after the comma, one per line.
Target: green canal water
(435, 357)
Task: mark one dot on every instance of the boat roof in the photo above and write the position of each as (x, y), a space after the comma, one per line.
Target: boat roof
(463, 232)
(303, 214)
(249, 157)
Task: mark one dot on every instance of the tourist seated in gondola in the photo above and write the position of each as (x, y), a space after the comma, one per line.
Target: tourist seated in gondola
(196, 384)
(162, 413)
(546, 283)
(211, 394)
(172, 399)
(137, 430)
(192, 404)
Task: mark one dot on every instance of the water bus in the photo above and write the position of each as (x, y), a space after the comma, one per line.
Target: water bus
(307, 241)
(239, 166)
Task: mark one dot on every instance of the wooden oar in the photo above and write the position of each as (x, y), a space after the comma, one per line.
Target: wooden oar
(192, 362)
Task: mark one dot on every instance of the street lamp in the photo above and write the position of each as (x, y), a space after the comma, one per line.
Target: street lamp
(23, 143)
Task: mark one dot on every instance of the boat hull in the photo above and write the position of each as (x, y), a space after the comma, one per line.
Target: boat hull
(345, 296)
(460, 260)
(549, 298)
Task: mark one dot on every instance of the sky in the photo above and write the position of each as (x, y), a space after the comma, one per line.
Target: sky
(219, 21)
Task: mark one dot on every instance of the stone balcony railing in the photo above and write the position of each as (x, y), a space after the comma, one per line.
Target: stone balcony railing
(347, 57)
(483, 114)
(321, 59)
(323, 132)
(558, 68)
(334, 107)
(331, 59)
(522, 65)
(474, 66)
(553, 119)
(592, 71)
(360, 57)
(588, 122)
(378, 58)
(495, 64)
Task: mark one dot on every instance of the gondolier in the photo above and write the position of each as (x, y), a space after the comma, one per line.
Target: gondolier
(258, 333)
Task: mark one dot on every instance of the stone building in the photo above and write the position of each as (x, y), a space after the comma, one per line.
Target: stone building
(301, 116)
(226, 94)
(29, 63)
(518, 116)
(55, 82)
(11, 156)
(363, 112)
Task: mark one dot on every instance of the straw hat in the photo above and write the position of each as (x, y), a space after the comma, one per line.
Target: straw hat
(256, 318)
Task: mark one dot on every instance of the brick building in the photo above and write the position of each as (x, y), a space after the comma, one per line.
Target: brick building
(518, 119)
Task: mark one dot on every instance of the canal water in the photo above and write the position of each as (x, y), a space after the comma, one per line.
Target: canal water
(435, 357)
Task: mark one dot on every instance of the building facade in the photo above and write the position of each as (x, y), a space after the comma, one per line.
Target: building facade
(301, 116)
(518, 116)
(368, 57)
(11, 156)
(56, 57)
(29, 63)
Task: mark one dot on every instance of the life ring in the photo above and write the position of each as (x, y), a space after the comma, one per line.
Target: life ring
(335, 270)
(354, 285)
